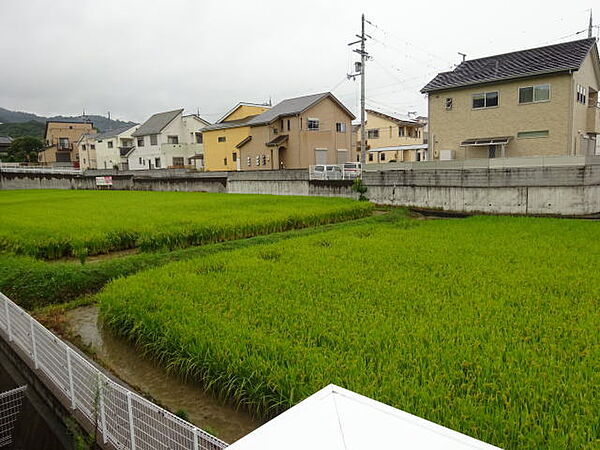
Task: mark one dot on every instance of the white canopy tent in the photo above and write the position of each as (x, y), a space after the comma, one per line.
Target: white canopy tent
(337, 419)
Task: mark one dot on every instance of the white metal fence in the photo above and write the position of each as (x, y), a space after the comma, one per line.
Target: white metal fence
(10, 407)
(122, 418)
(16, 168)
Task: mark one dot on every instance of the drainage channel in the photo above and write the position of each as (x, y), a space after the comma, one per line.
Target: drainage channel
(145, 375)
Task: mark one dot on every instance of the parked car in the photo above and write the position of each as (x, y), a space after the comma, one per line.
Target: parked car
(352, 170)
(327, 172)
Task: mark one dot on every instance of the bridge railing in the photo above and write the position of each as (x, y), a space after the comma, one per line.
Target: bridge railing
(123, 418)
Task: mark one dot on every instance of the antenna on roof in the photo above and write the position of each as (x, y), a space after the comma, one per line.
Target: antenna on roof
(464, 56)
(591, 25)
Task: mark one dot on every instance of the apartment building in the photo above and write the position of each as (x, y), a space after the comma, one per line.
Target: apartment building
(61, 137)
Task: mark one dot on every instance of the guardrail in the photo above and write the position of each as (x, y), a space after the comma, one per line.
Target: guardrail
(123, 418)
(10, 168)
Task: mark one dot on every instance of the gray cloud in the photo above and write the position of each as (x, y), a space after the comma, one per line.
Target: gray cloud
(134, 58)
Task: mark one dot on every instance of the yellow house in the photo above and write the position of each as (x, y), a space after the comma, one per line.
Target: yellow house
(536, 102)
(221, 139)
(392, 138)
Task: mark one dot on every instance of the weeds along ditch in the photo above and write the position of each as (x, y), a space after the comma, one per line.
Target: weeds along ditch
(51, 224)
(486, 325)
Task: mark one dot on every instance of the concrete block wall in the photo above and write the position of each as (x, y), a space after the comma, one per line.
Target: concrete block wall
(569, 188)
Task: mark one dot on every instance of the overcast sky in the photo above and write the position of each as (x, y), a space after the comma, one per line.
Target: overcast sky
(134, 58)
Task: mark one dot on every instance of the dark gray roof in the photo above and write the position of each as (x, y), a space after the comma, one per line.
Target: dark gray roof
(156, 123)
(524, 63)
(288, 107)
(292, 106)
(5, 140)
(229, 124)
(110, 133)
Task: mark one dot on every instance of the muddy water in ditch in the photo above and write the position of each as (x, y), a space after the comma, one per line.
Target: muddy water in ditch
(129, 365)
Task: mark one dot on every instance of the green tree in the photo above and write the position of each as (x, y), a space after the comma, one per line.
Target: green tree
(25, 149)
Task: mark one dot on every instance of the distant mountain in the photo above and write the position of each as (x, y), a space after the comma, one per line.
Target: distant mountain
(15, 130)
(9, 119)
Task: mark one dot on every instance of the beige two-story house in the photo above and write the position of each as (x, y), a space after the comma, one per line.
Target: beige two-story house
(536, 102)
(392, 138)
(294, 134)
(299, 132)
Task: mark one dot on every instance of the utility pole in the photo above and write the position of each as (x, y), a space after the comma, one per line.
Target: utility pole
(363, 58)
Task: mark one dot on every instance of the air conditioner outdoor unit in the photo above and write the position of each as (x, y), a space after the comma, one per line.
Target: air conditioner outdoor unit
(446, 155)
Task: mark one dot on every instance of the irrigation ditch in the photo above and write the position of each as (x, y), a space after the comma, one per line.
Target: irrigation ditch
(82, 326)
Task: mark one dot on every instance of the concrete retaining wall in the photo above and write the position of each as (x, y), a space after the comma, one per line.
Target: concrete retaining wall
(567, 187)
(563, 190)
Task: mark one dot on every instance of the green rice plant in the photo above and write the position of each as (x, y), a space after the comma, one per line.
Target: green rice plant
(55, 224)
(486, 325)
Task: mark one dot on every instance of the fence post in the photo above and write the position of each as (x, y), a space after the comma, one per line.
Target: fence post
(33, 347)
(70, 369)
(8, 326)
(196, 438)
(101, 407)
(130, 413)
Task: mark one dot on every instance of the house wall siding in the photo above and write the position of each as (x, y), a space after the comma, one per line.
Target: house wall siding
(72, 131)
(586, 77)
(299, 152)
(244, 111)
(215, 152)
(449, 128)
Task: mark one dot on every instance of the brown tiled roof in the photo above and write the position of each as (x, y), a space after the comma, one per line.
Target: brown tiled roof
(524, 63)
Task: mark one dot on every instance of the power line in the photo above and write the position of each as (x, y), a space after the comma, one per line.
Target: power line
(404, 41)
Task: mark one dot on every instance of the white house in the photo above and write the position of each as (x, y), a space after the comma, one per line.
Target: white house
(106, 150)
(168, 140)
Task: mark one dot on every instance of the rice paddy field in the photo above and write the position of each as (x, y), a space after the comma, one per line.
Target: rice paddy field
(51, 224)
(486, 325)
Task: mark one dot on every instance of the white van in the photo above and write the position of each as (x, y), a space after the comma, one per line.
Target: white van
(327, 172)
